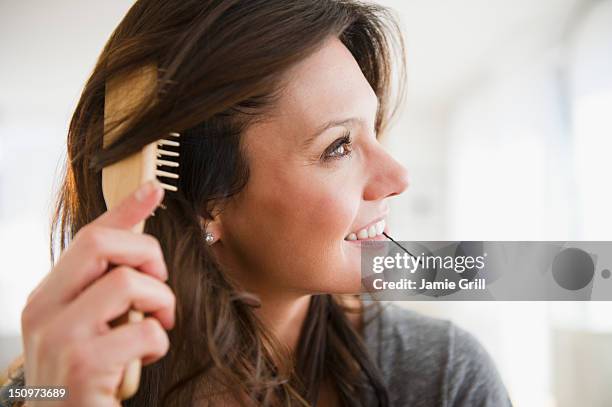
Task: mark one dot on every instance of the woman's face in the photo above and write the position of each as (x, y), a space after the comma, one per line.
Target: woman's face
(317, 175)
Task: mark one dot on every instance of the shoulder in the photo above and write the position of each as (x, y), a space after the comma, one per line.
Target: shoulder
(406, 335)
(472, 377)
(411, 350)
(432, 361)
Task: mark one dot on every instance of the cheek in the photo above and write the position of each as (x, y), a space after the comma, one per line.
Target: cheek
(325, 214)
(293, 228)
(308, 215)
(336, 263)
(314, 225)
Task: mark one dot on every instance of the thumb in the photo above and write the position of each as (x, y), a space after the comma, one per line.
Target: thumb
(134, 208)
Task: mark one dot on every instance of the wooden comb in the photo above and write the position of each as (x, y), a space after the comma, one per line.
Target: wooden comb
(123, 94)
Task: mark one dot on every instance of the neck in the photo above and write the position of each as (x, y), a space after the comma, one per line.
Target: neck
(282, 310)
(284, 316)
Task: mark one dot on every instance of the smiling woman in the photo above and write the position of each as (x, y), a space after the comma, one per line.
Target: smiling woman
(280, 105)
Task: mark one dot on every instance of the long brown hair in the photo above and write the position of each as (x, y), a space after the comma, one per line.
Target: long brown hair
(219, 63)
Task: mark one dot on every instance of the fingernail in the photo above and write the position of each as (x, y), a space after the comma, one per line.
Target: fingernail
(145, 190)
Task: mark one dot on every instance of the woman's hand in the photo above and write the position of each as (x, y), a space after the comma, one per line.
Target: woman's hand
(65, 323)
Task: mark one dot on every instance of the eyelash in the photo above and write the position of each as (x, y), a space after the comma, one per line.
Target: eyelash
(345, 141)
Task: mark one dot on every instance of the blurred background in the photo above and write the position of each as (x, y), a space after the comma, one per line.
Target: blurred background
(506, 133)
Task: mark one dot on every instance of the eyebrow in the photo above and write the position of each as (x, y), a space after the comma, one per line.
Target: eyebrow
(338, 122)
(330, 124)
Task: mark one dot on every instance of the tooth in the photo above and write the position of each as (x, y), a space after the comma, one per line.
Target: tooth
(380, 227)
(362, 234)
(352, 236)
(372, 231)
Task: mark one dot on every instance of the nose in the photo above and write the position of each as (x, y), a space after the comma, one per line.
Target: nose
(387, 176)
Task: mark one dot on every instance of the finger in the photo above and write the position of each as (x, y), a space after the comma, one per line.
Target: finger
(129, 212)
(145, 340)
(134, 208)
(113, 295)
(87, 259)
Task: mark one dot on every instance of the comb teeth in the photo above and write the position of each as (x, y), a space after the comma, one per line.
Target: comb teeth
(164, 142)
(165, 152)
(161, 162)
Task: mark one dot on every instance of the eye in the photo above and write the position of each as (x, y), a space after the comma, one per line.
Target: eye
(339, 148)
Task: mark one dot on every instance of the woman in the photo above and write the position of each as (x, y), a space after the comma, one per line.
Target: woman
(249, 273)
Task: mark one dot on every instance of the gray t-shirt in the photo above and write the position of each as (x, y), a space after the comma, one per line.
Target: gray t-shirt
(428, 362)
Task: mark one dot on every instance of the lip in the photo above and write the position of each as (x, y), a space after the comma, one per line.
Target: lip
(373, 222)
